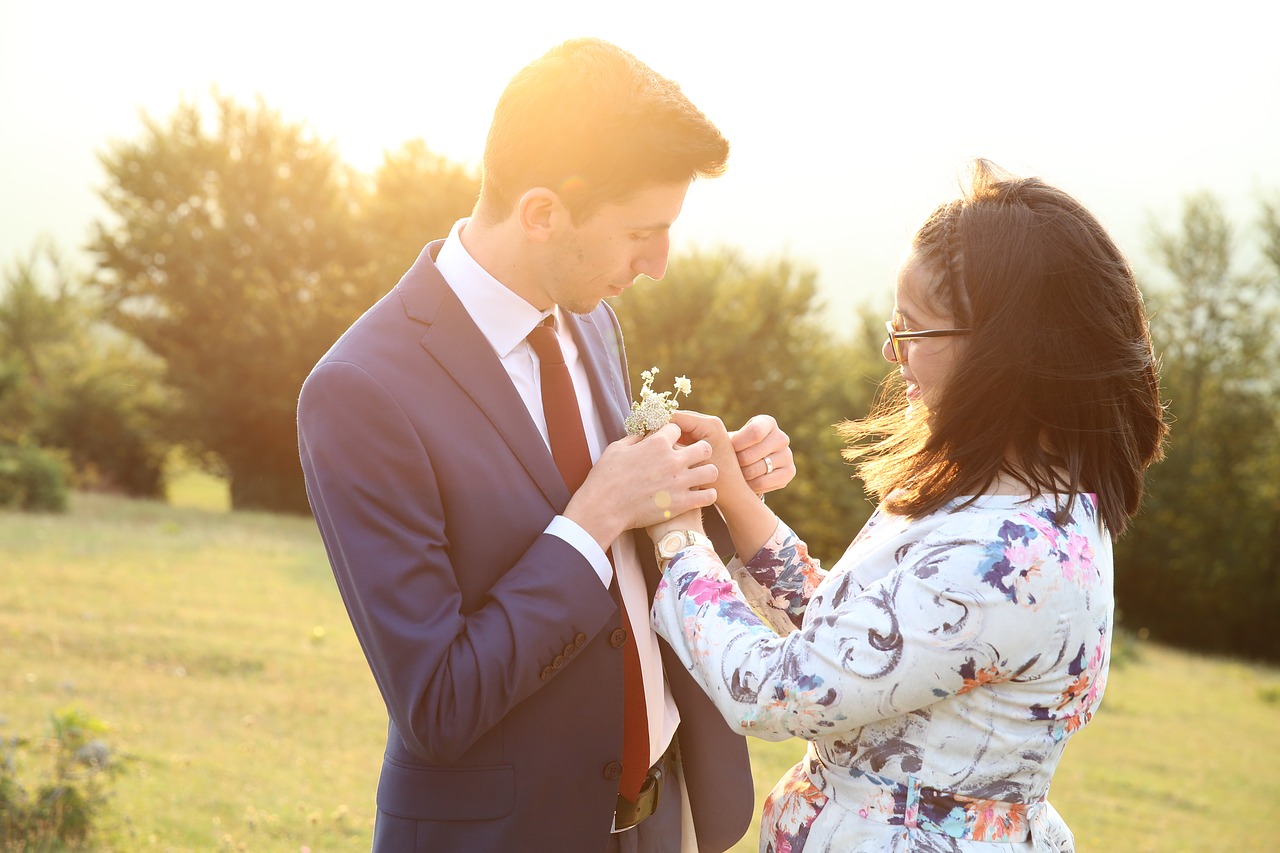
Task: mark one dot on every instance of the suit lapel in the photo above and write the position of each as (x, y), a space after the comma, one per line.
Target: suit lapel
(454, 341)
(606, 367)
(602, 361)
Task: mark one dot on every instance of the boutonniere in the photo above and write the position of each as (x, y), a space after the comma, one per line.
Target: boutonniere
(653, 410)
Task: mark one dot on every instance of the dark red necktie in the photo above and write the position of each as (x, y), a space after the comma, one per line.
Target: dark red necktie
(569, 448)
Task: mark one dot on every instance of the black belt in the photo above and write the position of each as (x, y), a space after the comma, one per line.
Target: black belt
(627, 814)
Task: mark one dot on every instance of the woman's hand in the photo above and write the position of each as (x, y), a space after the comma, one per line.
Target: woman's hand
(764, 454)
(695, 426)
(691, 520)
(750, 522)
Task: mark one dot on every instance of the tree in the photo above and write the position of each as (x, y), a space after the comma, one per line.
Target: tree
(417, 196)
(73, 384)
(752, 338)
(239, 250)
(1199, 567)
(232, 259)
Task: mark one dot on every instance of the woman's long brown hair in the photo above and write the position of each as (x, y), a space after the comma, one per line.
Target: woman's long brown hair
(1056, 385)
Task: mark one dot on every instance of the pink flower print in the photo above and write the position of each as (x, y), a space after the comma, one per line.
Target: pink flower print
(1028, 583)
(1094, 694)
(1097, 662)
(1027, 556)
(710, 590)
(1044, 526)
(1077, 563)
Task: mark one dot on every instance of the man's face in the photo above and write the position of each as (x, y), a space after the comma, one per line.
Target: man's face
(604, 254)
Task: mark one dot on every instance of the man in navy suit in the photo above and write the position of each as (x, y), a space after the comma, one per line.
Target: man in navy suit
(488, 597)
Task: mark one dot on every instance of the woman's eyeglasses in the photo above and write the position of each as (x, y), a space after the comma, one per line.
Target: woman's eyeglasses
(896, 338)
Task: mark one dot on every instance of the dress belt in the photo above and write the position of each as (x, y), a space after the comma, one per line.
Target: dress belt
(627, 814)
(917, 806)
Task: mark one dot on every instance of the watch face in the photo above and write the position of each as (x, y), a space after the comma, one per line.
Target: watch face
(672, 542)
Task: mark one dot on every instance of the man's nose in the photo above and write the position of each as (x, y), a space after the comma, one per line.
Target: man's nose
(653, 260)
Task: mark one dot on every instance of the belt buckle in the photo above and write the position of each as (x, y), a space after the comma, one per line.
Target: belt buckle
(628, 815)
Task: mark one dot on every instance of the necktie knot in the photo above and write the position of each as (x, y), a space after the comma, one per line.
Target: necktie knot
(546, 343)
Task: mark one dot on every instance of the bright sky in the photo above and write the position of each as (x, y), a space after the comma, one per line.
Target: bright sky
(849, 122)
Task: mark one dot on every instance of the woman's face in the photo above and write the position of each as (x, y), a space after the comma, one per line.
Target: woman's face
(926, 362)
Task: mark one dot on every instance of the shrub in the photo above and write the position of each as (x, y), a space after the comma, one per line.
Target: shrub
(58, 812)
(32, 479)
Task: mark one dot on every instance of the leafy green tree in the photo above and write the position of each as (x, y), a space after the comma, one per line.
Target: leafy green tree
(231, 257)
(1199, 567)
(70, 382)
(239, 248)
(417, 196)
(753, 339)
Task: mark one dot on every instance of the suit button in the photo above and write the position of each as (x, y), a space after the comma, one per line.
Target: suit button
(618, 637)
(569, 649)
(546, 673)
(580, 640)
(558, 662)
(613, 770)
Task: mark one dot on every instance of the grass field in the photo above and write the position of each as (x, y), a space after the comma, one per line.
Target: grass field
(216, 648)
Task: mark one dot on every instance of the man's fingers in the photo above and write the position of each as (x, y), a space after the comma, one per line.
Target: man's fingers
(669, 433)
(703, 475)
(699, 451)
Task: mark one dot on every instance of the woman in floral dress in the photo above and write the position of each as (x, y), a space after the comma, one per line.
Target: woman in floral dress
(939, 668)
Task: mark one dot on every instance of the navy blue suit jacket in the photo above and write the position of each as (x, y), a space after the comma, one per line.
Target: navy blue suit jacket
(488, 639)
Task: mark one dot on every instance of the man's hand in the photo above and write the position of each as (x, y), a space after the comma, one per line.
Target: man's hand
(638, 482)
(758, 440)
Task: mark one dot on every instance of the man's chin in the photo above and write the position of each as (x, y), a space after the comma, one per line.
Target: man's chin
(581, 308)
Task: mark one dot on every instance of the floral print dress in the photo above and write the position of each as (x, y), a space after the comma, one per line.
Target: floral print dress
(937, 671)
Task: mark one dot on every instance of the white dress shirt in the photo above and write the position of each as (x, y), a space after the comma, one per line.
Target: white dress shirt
(505, 320)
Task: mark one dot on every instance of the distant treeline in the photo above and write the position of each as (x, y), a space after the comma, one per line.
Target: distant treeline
(239, 246)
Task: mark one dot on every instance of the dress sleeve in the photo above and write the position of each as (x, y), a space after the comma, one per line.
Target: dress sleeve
(779, 579)
(943, 622)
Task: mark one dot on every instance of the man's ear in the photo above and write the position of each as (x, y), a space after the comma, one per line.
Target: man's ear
(540, 213)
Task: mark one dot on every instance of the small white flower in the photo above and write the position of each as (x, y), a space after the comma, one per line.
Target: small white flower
(653, 410)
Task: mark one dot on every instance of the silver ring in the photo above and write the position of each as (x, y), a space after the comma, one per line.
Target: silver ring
(768, 466)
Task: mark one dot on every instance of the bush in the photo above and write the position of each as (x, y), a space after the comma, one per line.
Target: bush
(59, 814)
(70, 383)
(32, 479)
(107, 419)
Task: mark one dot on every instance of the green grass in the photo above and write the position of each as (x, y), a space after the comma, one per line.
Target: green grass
(217, 649)
(215, 646)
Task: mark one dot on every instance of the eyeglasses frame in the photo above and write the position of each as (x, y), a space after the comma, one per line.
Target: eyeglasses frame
(895, 337)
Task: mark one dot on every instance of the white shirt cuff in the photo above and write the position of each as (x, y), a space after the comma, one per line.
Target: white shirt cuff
(572, 532)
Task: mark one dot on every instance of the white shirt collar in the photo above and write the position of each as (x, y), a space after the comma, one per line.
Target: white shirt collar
(504, 318)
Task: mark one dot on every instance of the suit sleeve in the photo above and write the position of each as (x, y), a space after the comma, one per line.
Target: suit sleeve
(447, 676)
